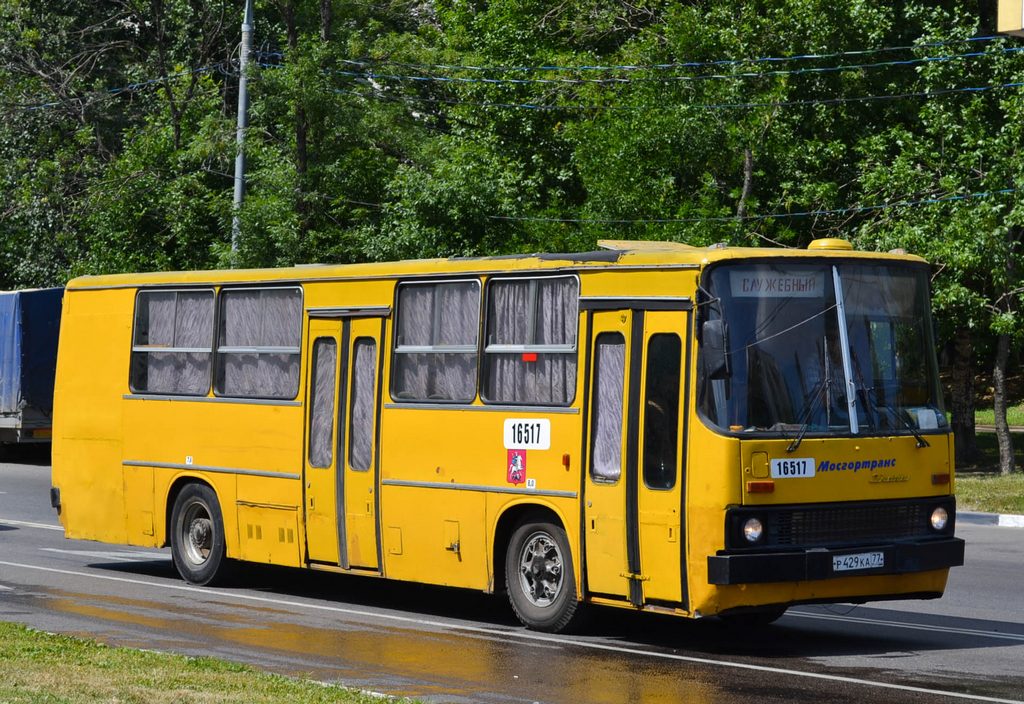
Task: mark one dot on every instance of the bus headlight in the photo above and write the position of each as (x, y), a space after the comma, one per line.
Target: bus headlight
(940, 517)
(752, 530)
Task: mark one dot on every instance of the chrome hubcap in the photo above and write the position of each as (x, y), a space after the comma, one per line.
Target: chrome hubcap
(198, 533)
(540, 569)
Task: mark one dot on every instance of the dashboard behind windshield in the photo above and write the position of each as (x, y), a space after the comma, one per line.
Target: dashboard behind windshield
(818, 348)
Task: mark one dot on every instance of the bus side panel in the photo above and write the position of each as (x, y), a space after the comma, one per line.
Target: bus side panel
(711, 485)
(92, 375)
(434, 536)
(230, 445)
(139, 504)
(440, 468)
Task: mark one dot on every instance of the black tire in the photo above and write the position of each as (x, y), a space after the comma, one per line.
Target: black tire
(754, 619)
(197, 536)
(539, 577)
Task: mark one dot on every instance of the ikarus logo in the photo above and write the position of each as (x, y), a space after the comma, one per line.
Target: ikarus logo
(869, 465)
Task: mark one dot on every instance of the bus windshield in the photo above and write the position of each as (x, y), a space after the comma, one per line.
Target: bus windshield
(819, 348)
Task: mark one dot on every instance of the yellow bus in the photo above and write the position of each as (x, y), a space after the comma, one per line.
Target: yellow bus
(692, 431)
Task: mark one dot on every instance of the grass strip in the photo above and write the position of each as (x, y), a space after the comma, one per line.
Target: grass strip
(991, 493)
(987, 416)
(38, 667)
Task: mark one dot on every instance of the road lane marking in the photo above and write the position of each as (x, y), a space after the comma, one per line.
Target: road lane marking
(909, 626)
(115, 555)
(522, 635)
(30, 524)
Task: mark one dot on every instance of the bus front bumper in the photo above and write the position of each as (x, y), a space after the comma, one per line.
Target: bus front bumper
(830, 563)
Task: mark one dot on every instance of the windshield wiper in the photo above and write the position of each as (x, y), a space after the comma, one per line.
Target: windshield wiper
(921, 442)
(819, 391)
(869, 406)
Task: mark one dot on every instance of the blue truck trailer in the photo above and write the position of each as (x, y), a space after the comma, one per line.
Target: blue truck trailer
(29, 327)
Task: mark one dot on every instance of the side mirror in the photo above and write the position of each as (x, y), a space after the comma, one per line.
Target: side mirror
(714, 348)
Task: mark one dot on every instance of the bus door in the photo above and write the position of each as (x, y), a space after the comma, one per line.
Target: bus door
(343, 410)
(633, 500)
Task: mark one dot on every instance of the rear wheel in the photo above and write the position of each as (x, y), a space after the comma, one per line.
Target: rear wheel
(197, 536)
(539, 577)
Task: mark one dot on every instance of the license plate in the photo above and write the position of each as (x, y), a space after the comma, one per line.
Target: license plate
(859, 561)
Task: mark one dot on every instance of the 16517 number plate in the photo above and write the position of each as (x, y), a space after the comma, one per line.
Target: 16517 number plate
(527, 434)
(792, 467)
(859, 561)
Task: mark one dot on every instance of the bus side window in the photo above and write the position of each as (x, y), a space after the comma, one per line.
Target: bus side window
(436, 331)
(361, 426)
(258, 343)
(661, 415)
(530, 351)
(321, 419)
(609, 378)
(172, 344)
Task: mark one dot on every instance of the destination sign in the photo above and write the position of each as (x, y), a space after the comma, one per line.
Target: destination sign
(764, 283)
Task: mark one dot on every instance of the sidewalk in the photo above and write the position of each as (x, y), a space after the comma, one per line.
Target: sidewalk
(1006, 520)
(991, 428)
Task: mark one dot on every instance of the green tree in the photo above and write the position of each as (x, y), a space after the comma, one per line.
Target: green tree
(958, 145)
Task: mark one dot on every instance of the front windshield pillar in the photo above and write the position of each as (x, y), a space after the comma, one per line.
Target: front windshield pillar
(844, 344)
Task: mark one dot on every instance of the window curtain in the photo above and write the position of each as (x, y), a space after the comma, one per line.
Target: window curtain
(437, 316)
(610, 374)
(321, 424)
(180, 322)
(532, 313)
(255, 319)
(364, 370)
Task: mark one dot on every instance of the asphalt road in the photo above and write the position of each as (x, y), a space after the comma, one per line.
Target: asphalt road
(445, 645)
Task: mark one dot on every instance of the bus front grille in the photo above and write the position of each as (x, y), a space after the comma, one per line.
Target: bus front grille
(838, 524)
(810, 527)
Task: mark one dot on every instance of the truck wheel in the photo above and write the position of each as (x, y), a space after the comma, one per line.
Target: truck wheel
(539, 577)
(197, 536)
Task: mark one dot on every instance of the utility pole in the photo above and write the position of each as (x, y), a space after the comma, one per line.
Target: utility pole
(243, 123)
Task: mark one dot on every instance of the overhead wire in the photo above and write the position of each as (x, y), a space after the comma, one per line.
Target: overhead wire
(227, 68)
(374, 75)
(221, 67)
(596, 107)
(663, 66)
(768, 216)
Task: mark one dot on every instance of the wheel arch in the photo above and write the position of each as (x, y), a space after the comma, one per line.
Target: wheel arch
(511, 517)
(175, 488)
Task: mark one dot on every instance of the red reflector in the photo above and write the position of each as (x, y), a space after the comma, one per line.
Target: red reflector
(765, 487)
(939, 479)
(529, 356)
(565, 460)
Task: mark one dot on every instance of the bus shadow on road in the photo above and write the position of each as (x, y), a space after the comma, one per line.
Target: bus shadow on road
(810, 632)
(836, 631)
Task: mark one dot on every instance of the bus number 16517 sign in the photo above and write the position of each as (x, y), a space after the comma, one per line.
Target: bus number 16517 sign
(527, 434)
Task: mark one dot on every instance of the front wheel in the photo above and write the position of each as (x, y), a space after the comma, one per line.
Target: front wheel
(197, 536)
(539, 577)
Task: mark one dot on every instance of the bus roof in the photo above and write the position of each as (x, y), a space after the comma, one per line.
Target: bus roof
(614, 254)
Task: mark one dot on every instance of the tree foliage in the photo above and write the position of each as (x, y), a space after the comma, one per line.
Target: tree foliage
(419, 128)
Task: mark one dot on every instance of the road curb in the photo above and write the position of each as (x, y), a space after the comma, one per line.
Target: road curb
(1005, 520)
